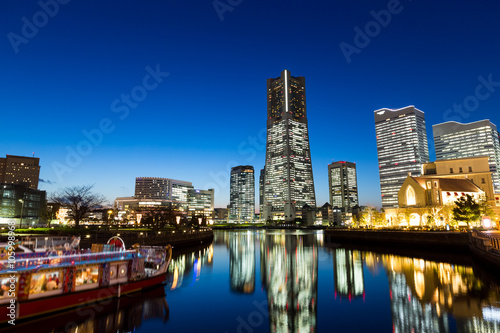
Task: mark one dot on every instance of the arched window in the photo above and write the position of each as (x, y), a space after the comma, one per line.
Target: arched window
(411, 199)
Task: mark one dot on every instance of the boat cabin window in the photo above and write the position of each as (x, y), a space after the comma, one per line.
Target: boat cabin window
(87, 275)
(46, 281)
(8, 285)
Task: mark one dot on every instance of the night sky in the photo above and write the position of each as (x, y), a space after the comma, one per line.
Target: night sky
(106, 91)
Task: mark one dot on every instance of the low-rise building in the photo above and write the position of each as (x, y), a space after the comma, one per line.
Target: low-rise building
(21, 204)
(420, 198)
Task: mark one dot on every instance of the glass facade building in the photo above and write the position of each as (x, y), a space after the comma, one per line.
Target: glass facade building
(163, 189)
(401, 147)
(242, 193)
(454, 140)
(343, 186)
(21, 204)
(288, 179)
(201, 202)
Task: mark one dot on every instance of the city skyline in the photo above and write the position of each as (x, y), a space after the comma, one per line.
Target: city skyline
(65, 85)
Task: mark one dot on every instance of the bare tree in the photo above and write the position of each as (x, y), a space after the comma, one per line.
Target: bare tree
(79, 198)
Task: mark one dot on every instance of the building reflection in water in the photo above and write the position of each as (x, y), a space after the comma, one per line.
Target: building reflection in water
(188, 266)
(289, 272)
(425, 293)
(348, 274)
(242, 262)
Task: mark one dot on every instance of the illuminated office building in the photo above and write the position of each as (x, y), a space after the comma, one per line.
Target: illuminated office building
(155, 188)
(20, 170)
(343, 186)
(201, 202)
(288, 180)
(242, 193)
(261, 192)
(161, 188)
(454, 140)
(401, 147)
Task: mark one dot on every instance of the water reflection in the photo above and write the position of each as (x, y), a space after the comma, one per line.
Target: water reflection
(425, 293)
(242, 262)
(289, 272)
(187, 262)
(298, 277)
(125, 314)
(348, 274)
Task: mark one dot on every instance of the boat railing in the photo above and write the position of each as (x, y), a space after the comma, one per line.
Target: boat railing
(66, 260)
(489, 242)
(39, 242)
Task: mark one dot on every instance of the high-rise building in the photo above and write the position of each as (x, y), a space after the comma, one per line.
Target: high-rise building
(242, 193)
(455, 140)
(288, 180)
(343, 186)
(401, 147)
(20, 170)
(261, 193)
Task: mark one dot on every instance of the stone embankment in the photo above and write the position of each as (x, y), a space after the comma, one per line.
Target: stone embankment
(446, 240)
(179, 238)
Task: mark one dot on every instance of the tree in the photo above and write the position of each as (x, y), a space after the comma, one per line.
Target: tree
(434, 211)
(486, 209)
(378, 217)
(79, 198)
(407, 214)
(466, 210)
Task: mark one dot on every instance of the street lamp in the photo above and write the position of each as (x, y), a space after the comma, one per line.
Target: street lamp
(22, 208)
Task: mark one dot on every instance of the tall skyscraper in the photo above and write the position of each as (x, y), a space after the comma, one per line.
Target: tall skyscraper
(261, 193)
(401, 147)
(455, 140)
(242, 193)
(288, 181)
(343, 186)
(20, 170)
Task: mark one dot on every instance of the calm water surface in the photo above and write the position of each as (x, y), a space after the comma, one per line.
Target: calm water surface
(289, 281)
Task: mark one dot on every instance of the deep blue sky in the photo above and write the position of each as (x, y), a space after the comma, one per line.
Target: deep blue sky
(197, 122)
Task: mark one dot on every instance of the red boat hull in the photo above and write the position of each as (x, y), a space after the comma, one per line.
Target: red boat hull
(44, 305)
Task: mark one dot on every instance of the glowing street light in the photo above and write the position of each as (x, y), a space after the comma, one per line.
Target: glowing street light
(22, 208)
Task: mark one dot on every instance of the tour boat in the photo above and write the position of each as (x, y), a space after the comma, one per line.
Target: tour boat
(34, 284)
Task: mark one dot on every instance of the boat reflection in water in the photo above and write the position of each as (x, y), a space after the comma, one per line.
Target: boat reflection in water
(125, 314)
(289, 273)
(186, 262)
